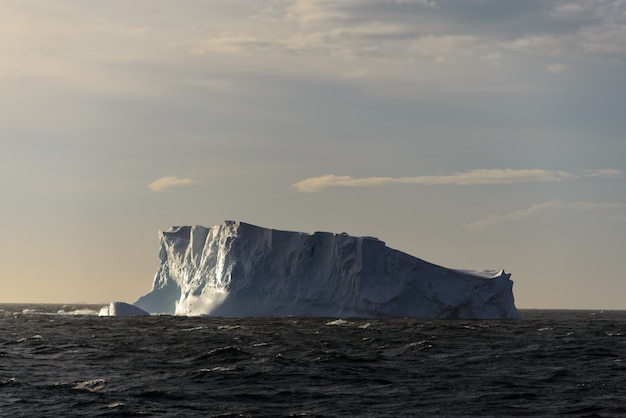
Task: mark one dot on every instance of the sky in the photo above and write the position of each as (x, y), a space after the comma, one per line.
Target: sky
(476, 135)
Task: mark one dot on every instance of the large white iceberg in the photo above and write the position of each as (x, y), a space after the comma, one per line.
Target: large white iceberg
(238, 269)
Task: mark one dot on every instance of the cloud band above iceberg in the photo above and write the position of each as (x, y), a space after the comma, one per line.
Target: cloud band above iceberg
(465, 178)
(169, 182)
(613, 211)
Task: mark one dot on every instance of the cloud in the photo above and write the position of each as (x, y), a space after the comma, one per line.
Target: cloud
(607, 172)
(513, 216)
(608, 211)
(445, 45)
(428, 3)
(169, 182)
(231, 43)
(466, 178)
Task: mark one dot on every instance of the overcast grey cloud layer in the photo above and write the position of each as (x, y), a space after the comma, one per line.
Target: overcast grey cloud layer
(474, 134)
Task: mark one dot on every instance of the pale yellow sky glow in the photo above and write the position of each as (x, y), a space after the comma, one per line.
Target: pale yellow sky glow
(477, 135)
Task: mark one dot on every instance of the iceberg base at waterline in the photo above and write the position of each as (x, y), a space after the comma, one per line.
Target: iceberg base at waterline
(122, 309)
(238, 269)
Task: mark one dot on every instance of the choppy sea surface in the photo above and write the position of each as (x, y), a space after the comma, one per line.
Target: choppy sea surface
(64, 360)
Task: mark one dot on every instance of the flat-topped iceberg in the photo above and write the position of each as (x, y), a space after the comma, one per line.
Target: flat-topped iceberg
(238, 269)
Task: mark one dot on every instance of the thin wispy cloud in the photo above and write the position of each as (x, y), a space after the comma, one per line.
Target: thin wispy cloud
(607, 172)
(570, 34)
(606, 210)
(517, 215)
(465, 178)
(169, 182)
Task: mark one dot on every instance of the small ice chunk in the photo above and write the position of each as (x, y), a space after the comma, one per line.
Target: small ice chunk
(122, 309)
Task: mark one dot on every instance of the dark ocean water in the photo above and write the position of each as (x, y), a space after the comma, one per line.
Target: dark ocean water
(74, 363)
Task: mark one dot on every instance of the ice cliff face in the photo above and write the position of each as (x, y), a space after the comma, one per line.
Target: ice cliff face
(237, 269)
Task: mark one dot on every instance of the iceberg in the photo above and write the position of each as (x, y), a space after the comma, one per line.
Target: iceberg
(122, 309)
(239, 269)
